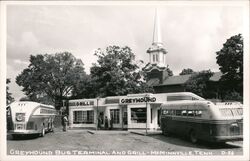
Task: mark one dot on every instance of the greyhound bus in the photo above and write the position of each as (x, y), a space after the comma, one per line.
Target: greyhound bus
(203, 120)
(29, 118)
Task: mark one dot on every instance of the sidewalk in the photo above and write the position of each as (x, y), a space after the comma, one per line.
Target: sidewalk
(139, 132)
(107, 132)
(143, 132)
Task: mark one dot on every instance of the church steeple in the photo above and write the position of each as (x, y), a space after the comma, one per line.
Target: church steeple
(157, 30)
(156, 52)
(156, 69)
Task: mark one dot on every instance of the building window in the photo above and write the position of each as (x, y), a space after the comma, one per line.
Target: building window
(178, 112)
(125, 118)
(138, 115)
(157, 57)
(115, 115)
(153, 58)
(83, 117)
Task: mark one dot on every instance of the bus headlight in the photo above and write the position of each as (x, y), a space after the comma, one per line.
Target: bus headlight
(20, 116)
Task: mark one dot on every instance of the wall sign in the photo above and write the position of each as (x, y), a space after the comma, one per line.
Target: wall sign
(138, 100)
(81, 103)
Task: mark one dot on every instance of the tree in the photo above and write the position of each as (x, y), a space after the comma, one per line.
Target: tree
(197, 83)
(116, 74)
(84, 89)
(230, 60)
(51, 76)
(233, 96)
(186, 71)
(25, 98)
(9, 97)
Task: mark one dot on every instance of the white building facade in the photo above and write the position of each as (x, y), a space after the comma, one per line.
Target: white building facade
(133, 111)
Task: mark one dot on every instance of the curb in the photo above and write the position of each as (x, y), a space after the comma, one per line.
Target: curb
(138, 133)
(144, 133)
(91, 132)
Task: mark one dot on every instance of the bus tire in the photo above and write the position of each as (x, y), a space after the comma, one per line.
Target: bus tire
(42, 134)
(193, 136)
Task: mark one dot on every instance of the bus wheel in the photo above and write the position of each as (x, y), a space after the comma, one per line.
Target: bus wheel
(42, 132)
(193, 136)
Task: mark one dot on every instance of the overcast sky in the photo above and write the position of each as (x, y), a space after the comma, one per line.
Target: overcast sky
(190, 34)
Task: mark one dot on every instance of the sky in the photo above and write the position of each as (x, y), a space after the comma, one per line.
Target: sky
(191, 34)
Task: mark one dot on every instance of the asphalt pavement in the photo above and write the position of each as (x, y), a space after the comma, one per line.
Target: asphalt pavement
(83, 142)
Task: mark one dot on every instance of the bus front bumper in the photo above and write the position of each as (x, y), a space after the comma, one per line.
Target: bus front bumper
(21, 132)
(226, 138)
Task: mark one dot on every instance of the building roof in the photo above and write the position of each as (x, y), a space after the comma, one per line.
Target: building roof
(180, 79)
(153, 82)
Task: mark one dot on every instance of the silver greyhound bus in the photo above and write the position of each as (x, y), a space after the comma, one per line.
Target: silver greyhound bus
(29, 118)
(203, 120)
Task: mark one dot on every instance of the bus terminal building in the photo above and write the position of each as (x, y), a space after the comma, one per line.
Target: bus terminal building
(133, 111)
(137, 111)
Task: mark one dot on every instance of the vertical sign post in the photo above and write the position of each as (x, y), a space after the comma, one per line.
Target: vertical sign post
(97, 112)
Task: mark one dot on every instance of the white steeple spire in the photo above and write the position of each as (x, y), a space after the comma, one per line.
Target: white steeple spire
(157, 30)
(157, 52)
(157, 68)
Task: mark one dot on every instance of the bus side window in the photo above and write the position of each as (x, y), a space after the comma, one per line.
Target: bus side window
(184, 113)
(190, 113)
(178, 112)
(198, 113)
(172, 112)
(165, 112)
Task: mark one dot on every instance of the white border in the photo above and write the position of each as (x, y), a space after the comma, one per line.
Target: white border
(3, 149)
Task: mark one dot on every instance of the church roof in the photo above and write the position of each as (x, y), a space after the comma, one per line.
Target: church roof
(178, 79)
(153, 82)
(181, 79)
(148, 67)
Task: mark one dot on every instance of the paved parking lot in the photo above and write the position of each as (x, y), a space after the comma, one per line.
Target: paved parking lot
(81, 142)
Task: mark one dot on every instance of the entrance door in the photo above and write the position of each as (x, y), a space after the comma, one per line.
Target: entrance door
(101, 115)
(159, 117)
(125, 118)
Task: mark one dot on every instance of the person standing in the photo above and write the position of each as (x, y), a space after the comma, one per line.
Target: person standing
(111, 123)
(99, 122)
(106, 123)
(65, 122)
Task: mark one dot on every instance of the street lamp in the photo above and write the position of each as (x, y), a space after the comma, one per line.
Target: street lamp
(97, 115)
